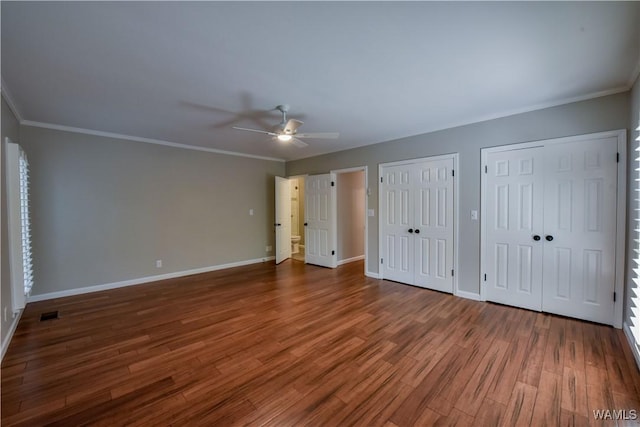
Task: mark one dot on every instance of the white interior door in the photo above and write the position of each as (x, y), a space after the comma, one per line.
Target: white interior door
(433, 225)
(580, 229)
(283, 219)
(320, 212)
(514, 226)
(396, 216)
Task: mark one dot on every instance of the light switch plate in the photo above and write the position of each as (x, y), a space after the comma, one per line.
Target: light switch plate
(474, 215)
(371, 212)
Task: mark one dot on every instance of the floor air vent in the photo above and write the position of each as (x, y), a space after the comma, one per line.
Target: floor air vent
(49, 316)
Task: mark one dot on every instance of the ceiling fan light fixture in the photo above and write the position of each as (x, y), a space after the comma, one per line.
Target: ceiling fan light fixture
(284, 137)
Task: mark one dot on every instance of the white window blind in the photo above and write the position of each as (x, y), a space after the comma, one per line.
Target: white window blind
(21, 268)
(25, 221)
(635, 291)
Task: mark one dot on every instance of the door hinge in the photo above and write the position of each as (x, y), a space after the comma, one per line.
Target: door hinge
(381, 260)
(453, 172)
(617, 157)
(451, 273)
(485, 168)
(614, 297)
(333, 252)
(485, 277)
(333, 184)
(381, 180)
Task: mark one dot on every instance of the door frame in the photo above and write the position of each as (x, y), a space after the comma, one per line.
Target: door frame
(366, 208)
(621, 141)
(456, 209)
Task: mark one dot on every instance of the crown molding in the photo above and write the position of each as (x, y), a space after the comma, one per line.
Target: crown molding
(503, 114)
(531, 108)
(141, 139)
(6, 94)
(634, 73)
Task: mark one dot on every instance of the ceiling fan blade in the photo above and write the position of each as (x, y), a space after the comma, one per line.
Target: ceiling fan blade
(299, 143)
(255, 130)
(291, 126)
(319, 135)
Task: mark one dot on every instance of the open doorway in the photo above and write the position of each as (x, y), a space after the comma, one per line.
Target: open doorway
(351, 214)
(297, 218)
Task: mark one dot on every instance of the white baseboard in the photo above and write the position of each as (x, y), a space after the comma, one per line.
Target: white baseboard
(468, 295)
(12, 330)
(348, 260)
(142, 280)
(372, 274)
(635, 347)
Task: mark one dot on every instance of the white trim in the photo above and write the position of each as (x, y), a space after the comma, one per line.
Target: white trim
(372, 274)
(456, 208)
(634, 75)
(142, 139)
(352, 259)
(621, 228)
(456, 225)
(635, 347)
(621, 136)
(143, 280)
(6, 94)
(9, 336)
(468, 295)
(365, 169)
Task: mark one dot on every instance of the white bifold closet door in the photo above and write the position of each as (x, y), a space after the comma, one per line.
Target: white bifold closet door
(551, 228)
(417, 223)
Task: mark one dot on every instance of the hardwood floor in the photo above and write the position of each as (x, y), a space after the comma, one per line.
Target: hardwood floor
(302, 345)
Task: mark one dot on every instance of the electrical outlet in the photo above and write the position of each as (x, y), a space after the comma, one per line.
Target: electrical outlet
(158, 263)
(269, 248)
(251, 212)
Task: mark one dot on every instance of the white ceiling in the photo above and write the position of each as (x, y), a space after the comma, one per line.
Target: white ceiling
(374, 71)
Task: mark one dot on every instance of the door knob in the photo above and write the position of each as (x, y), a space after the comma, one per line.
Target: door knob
(411, 230)
(549, 237)
(305, 224)
(417, 231)
(536, 237)
(277, 225)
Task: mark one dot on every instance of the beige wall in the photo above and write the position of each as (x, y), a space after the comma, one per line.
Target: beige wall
(351, 205)
(9, 129)
(595, 115)
(104, 209)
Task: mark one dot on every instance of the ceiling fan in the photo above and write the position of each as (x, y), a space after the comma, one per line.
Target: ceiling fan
(287, 130)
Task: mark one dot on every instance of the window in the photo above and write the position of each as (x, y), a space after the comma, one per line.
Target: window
(635, 291)
(21, 270)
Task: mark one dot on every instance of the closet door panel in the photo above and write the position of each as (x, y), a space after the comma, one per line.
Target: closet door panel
(434, 224)
(514, 216)
(397, 218)
(580, 217)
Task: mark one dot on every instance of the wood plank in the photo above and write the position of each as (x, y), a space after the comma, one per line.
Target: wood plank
(520, 407)
(546, 411)
(574, 391)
